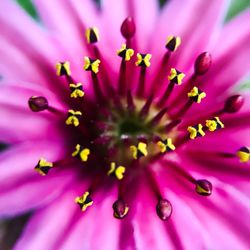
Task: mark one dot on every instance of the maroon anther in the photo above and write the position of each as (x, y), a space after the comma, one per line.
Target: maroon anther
(203, 187)
(38, 103)
(120, 209)
(164, 209)
(202, 63)
(233, 104)
(128, 28)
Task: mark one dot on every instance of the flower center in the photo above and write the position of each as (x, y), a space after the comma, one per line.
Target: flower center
(125, 129)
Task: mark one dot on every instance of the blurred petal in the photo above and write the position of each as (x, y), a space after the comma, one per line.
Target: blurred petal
(46, 228)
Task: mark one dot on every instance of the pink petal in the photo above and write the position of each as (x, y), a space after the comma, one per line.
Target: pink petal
(230, 61)
(96, 228)
(196, 31)
(224, 216)
(36, 43)
(145, 14)
(24, 195)
(19, 160)
(47, 226)
(219, 212)
(149, 230)
(37, 50)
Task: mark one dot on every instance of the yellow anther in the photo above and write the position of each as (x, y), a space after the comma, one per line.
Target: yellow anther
(63, 69)
(176, 76)
(92, 35)
(73, 117)
(139, 150)
(143, 60)
(117, 171)
(81, 152)
(196, 95)
(195, 131)
(84, 201)
(214, 124)
(243, 154)
(125, 53)
(76, 90)
(173, 42)
(166, 145)
(43, 166)
(91, 64)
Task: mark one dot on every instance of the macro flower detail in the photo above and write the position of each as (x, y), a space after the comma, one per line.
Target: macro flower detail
(123, 128)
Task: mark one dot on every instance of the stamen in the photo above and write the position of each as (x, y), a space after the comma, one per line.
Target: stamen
(243, 154)
(166, 145)
(233, 104)
(92, 35)
(120, 208)
(73, 117)
(171, 125)
(126, 54)
(214, 124)
(43, 166)
(84, 201)
(195, 95)
(130, 101)
(201, 66)
(63, 69)
(97, 89)
(175, 77)
(164, 209)
(158, 116)
(145, 109)
(76, 90)
(203, 187)
(143, 61)
(196, 131)
(81, 153)
(173, 42)
(91, 64)
(202, 63)
(117, 171)
(38, 103)
(128, 29)
(139, 150)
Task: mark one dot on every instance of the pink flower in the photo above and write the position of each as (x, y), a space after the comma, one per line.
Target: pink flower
(128, 159)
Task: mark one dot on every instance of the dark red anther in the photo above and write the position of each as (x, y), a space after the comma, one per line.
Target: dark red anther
(202, 63)
(128, 28)
(38, 103)
(203, 187)
(120, 208)
(164, 209)
(233, 104)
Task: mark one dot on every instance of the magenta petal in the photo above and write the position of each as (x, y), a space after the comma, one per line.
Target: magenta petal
(88, 233)
(32, 192)
(19, 160)
(149, 230)
(231, 61)
(47, 227)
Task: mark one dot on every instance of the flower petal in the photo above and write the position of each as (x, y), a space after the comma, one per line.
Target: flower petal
(230, 61)
(47, 226)
(19, 160)
(149, 230)
(33, 192)
(86, 229)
